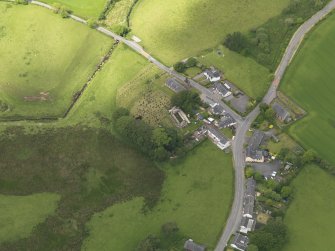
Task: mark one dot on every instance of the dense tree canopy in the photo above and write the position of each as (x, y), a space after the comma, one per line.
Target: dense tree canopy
(235, 42)
(188, 101)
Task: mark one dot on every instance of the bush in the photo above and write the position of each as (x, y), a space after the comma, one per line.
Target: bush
(24, 2)
(235, 42)
(92, 23)
(191, 62)
(121, 30)
(179, 67)
(64, 12)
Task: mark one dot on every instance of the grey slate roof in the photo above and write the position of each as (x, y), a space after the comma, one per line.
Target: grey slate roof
(280, 111)
(250, 187)
(249, 197)
(218, 135)
(240, 241)
(213, 73)
(174, 85)
(218, 109)
(190, 245)
(226, 121)
(254, 144)
(220, 88)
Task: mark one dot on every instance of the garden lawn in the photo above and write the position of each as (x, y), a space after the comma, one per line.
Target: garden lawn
(251, 77)
(310, 217)
(84, 8)
(310, 82)
(196, 194)
(20, 214)
(48, 59)
(176, 29)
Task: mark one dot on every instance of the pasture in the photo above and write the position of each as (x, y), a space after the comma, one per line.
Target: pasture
(46, 66)
(89, 169)
(189, 197)
(118, 15)
(309, 81)
(20, 214)
(84, 8)
(310, 217)
(251, 77)
(177, 29)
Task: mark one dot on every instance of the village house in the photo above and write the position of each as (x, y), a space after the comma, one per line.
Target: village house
(217, 110)
(212, 75)
(281, 113)
(190, 245)
(207, 100)
(179, 117)
(247, 225)
(249, 198)
(226, 121)
(240, 242)
(253, 153)
(221, 90)
(174, 85)
(218, 138)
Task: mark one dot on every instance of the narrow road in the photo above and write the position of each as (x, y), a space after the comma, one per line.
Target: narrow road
(235, 216)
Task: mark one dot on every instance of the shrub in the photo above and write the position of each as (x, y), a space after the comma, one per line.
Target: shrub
(235, 42)
(92, 23)
(179, 67)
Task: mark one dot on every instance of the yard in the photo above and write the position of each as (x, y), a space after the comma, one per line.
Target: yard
(251, 77)
(84, 8)
(178, 29)
(310, 217)
(30, 84)
(20, 214)
(309, 81)
(196, 194)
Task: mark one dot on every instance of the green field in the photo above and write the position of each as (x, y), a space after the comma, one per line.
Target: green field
(251, 77)
(197, 195)
(309, 81)
(118, 15)
(20, 214)
(176, 29)
(83, 8)
(310, 217)
(46, 66)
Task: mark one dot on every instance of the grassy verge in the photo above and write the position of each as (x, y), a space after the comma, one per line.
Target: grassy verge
(189, 198)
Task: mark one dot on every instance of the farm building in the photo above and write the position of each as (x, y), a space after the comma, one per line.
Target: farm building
(240, 242)
(253, 153)
(174, 85)
(281, 113)
(218, 138)
(179, 117)
(190, 245)
(221, 90)
(212, 75)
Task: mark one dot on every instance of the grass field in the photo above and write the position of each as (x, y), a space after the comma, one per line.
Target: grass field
(20, 214)
(30, 84)
(176, 29)
(310, 82)
(310, 217)
(118, 15)
(245, 73)
(83, 8)
(189, 197)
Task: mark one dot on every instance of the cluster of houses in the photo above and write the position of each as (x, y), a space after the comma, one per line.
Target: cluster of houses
(248, 223)
(222, 89)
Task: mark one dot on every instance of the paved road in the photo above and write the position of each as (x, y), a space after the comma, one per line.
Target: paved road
(235, 216)
(243, 124)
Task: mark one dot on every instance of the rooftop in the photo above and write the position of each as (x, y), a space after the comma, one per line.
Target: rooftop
(190, 245)
(218, 135)
(226, 121)
(174, 85)
(240, 242)
(280, 111)
(218, 109)
(220, 88)
(212, 73)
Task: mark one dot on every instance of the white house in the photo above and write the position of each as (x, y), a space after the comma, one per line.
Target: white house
(212, 75)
